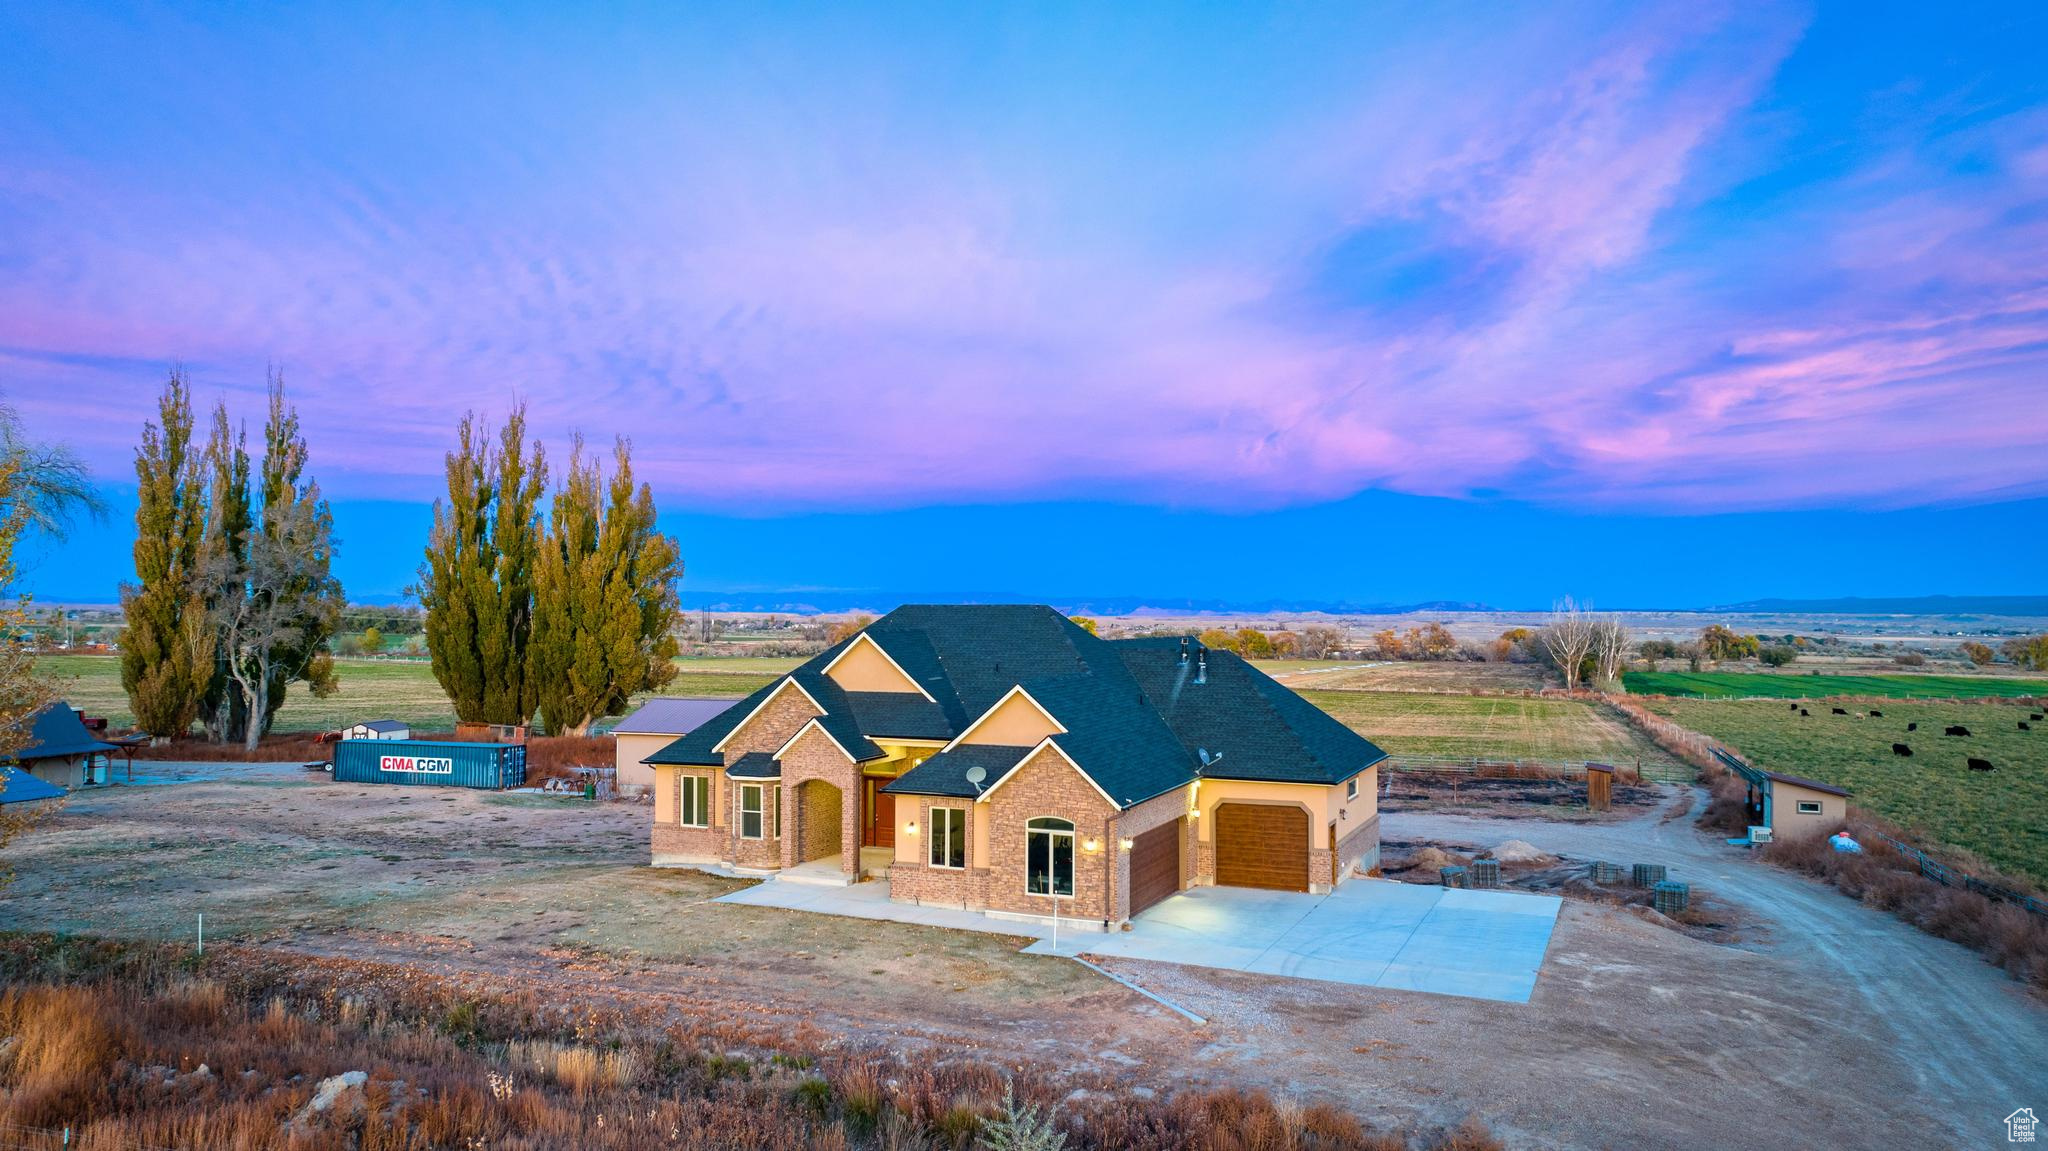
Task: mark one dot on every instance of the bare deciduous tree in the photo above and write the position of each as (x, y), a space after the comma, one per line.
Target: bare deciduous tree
(288, 591)
(1568, 639)
(1610, 648)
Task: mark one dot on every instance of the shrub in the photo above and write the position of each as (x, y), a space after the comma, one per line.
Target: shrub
(1022, 1127)
(1778, 655)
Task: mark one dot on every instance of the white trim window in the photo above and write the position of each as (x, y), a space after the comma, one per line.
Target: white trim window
(1351, 788)
(1809, 807)
(775, 810)
(1049, 856)
(750, 810)
(948, 846)
(693, 801)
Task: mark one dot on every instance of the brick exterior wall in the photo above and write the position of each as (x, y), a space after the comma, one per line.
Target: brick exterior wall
(915, 881)
(673, 843)
(1154, 812)
(1359, 847)
(809, 819)
(764, 853)
(1047, 785)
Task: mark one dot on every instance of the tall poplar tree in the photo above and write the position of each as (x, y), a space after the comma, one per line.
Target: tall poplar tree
(228, 520)
(476, 582)
(605, 600)
(167, 646)
(296, 522)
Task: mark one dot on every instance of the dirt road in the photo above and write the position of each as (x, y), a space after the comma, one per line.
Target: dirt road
(1967, 1042)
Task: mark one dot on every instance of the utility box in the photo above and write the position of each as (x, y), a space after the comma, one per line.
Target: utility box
(430, 763)
(1599, 786)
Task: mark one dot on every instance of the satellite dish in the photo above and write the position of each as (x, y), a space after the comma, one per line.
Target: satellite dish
(1204, 753)
(974, 776)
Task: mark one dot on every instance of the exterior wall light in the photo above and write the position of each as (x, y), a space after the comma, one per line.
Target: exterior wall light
(910, 828)
(1091, 845)
(1126, 844)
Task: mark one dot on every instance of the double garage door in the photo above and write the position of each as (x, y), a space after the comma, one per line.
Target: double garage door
(1262, 845)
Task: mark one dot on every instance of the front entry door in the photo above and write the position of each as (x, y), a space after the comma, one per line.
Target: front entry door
(878, 810)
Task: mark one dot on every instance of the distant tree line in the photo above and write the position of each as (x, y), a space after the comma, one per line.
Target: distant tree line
(235, 598)
(565, 615)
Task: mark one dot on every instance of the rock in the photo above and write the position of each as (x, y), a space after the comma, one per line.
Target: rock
(1519, 851)
(334, 1090)
(1431, 858)
(204, 1072)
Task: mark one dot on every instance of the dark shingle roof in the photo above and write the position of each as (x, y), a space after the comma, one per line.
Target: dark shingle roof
(946, 772)
(1263, 730)
(1136, 722)
(755, 765)
(56, 732)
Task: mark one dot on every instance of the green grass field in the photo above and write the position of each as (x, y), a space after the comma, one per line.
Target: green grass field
(2000, 815)
(379, 689)
(1792, 685)
(1488, 727)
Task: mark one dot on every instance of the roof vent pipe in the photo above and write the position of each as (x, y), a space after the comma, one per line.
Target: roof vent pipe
(1202, 666)
(1183, 649)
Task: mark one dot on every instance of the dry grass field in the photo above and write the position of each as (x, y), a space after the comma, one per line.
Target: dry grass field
(1500, 727)
(380, 689)
(1399, 675)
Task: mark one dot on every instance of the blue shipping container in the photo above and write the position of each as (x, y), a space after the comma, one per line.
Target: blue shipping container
(430, 763)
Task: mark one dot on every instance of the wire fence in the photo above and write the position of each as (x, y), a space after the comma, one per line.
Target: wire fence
(1947, 876)
(20, 1137)
(1485, 768)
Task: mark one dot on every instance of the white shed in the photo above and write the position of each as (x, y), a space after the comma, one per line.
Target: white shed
(377, 729)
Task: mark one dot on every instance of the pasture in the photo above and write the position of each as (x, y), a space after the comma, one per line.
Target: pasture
(1999, 815)
(379, 689)
(1799, 685)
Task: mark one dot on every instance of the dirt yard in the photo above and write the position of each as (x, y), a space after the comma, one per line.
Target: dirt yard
(1513, 798)
(1637, 1035)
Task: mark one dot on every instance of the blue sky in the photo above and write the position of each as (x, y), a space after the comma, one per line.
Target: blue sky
(1367, 303)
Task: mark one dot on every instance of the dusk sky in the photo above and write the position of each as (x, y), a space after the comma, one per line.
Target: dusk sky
(1661, 306)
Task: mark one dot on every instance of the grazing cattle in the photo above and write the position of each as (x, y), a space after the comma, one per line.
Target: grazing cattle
(2037, 715)
(1793, 706)
(2025, 726)
(1981, 764)
(1901, 749)
(1841, 711)
(1803, 711)
(1912, 727)
(1876, 714)
(1957, 730)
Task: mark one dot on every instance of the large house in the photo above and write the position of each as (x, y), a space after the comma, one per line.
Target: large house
(997, 758)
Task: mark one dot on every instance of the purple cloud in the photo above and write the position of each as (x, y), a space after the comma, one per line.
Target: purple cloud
(1624, 258)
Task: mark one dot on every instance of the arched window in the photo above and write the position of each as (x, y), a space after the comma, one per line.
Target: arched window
(1049, 856)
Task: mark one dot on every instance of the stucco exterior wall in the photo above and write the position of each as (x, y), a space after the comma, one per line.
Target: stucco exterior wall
(635, 777)
(863, 667)
(1015, 722)
(1788, 823)
(671, 843)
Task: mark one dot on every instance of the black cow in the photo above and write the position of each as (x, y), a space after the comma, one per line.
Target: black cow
(1876, 714)
(1912, 727)
(1901, 749)
(1841, 711)
(2025, 726)
(1955, 729)
(1794, 706)
(1981, 764)
(1803, 711)
(2037, 715)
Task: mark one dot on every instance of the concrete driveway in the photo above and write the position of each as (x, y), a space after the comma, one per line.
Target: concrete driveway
(1477, 944)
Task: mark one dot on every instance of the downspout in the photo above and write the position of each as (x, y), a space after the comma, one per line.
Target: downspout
(1109, 853)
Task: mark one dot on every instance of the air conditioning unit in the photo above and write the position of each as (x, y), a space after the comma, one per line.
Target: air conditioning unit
(1759, 835)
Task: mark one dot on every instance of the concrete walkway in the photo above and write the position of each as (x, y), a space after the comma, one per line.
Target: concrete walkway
(1476, 944)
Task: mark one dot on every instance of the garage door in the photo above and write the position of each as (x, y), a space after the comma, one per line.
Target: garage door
(1262, 846)
(1155, 865)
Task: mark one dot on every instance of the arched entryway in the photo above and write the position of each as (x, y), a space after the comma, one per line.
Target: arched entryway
(819, 809)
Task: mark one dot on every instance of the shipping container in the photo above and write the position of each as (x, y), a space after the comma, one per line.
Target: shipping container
(429, 763)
